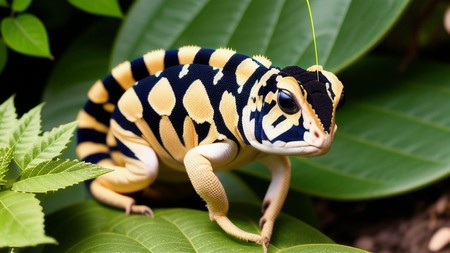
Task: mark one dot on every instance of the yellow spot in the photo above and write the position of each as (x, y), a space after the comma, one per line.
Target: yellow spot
(116, 155)
(109, 107)
(315, 68)
(85, 120)
(213, 135)
(220, 57)
(244, 70)
(85, 149)
(190, 136)
(111, 140)
(123, 75)
(97, 93)
(162, 98)
(130, 105)
(263, 60)
(170, 139)
(187, 54)
(229, 113)
(197, 103)
(154, 61)
(150, 138)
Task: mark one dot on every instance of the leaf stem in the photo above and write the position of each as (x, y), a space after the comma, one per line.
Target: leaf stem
(313, 35)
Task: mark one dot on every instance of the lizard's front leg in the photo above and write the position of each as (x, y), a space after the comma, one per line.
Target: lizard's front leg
(276, 194)
(199, 163)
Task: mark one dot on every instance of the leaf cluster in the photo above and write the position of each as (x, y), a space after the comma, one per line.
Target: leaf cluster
(25, 33)
(29, 164)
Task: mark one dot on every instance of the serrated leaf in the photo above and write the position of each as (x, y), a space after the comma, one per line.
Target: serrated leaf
(26, 34)
(20, 5)
(26, 133)
(50, 145)
(6, 155)
(3, 55)
(8, 121)
(109, 8)
(103, 229)
(21, 220)
(56, 174)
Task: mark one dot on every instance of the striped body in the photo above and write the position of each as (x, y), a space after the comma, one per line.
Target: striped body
(186, 99)
(184, 114)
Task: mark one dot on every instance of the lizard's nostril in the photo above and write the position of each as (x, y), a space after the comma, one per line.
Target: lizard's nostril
(316, 134)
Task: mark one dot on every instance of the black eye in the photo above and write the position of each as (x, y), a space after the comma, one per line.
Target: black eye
(287, 102)
(341, 101)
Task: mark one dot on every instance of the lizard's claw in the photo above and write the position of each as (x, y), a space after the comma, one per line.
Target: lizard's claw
(139, 209)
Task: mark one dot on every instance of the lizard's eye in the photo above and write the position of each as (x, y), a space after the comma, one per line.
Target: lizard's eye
(287, 102)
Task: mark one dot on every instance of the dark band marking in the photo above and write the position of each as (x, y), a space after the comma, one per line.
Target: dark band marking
(203, 56)
(90, 135)
(98, 112)
(97, 157)
(171, 59)
(115, 91)
(139, 69)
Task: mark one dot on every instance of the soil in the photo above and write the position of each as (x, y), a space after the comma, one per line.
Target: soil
(401, 224)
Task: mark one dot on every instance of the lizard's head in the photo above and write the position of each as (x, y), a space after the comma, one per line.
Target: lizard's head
(293, 112)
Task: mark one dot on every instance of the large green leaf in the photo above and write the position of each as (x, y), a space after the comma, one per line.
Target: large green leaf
(281, 30)
(92, 227)
(393, 135)
(26, 34)
(21, 220)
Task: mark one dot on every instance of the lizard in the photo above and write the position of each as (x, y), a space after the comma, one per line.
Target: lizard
(186, 113)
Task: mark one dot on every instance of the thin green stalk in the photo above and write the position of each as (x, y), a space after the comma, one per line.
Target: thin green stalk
(313, 35)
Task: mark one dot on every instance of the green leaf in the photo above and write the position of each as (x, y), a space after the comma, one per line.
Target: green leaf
(26, 34)
(3, 55)
(6, 155)
(50, 145)
(4, 3)
(237, 190)
(393, 136)
(22, 220)
(85, 61)
(8, 121)
(26, 133)
(109, 8)
(92, 227)
(56, 174)
(20, 5)
(280, 30)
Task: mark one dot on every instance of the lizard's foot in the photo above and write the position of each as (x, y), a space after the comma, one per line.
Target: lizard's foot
(139, 209)
(233, 230)
(266, 226)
